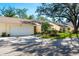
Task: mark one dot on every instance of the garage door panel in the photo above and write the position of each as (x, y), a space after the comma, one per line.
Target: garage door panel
(27, 30)
(21, 30)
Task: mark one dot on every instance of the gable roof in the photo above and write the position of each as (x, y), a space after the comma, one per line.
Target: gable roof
(69, 24)
(23, 21)
(15, 20)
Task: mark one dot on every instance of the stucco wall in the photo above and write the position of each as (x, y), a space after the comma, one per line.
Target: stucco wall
(56, 27)
(38, 28)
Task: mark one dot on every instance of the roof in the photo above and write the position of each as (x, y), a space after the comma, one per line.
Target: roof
(23, 21)
(69, 24)
(51, 23)
(15, 20)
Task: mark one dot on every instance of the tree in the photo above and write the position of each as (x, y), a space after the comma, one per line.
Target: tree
(45, 27)
(70, 11)
(41, 18)
(8, 12)
(21, 13)
(31, 17)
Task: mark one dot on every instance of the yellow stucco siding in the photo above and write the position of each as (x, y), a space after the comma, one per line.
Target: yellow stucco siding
(56, 27)
(70, 28)
(38, 28)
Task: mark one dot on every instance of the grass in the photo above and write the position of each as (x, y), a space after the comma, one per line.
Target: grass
(46, 36)
(61, 36)
(68, 35)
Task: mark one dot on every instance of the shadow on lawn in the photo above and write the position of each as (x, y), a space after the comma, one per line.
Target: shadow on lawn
(70, 49)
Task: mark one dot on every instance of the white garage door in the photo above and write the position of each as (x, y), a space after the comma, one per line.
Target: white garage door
(27, 29)
(17, 30)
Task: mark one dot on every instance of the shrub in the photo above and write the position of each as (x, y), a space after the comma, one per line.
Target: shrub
(53, 33)
(8, 35)
(4, 34)
(45, 26)
(45, 36)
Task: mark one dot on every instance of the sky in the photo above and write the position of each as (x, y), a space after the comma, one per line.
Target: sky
(30, 6)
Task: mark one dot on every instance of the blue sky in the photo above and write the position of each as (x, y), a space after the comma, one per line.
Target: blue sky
(30, 6)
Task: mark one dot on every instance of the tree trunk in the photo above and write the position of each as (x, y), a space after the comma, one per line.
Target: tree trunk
(75, 29)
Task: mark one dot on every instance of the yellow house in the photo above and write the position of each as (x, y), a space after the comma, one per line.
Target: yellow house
(16, 26)
(62, 27)
(53, 25)
(56, 26)
(69, 27)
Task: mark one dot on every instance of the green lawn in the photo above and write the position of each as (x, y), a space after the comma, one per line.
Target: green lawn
(69, 35)
(60, 36)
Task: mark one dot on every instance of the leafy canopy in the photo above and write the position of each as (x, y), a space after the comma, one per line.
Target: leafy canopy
(8, 12)
(69, 11)
(21, 13)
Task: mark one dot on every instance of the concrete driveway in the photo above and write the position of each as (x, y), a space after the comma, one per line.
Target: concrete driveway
(33, 46)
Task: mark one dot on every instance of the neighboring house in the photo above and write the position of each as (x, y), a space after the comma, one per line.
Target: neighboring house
(16, 26)
(56, 26)
(69, 26)
(62, 27)
(53, 25)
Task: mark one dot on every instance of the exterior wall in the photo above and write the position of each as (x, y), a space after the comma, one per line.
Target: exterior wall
(56, 27)
(70, 28)
(16, 29)
(2, 28)
(38, 28)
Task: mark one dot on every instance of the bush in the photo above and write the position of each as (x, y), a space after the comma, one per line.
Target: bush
(53, 33)
(8, 35)
(45, 26)
(4, 34)
(45, 36)
(36, 33)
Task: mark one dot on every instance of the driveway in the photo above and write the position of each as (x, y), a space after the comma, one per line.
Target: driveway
(34, 46)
